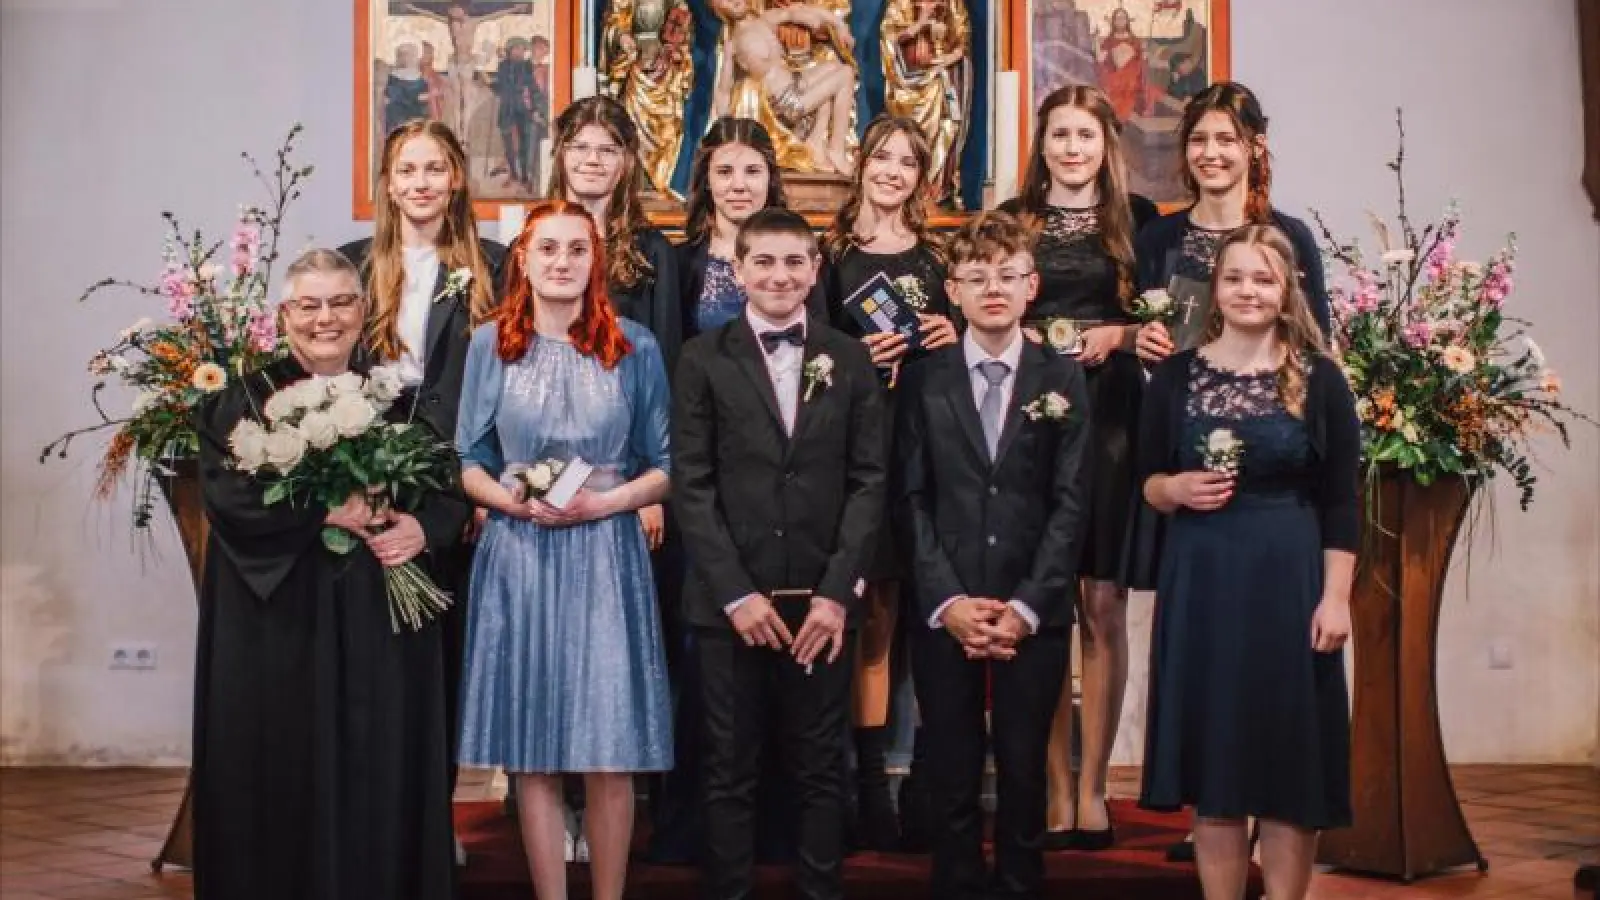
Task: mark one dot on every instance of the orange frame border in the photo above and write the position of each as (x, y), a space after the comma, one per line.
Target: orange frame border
(564, 56)
(1016, 55)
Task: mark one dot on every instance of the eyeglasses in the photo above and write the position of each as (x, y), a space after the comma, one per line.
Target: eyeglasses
(1006, 278)
(337, 304)
(608, 153)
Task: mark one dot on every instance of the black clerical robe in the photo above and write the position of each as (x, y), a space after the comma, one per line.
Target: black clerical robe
(320, 756)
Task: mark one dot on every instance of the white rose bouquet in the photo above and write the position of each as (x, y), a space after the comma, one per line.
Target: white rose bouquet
(325, 439)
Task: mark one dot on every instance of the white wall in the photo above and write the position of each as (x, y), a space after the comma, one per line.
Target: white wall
(113, 110)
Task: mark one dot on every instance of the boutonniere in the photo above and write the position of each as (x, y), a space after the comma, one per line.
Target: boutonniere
(818, 371)
(1221, 451)
(455, 284)
(1051, 407)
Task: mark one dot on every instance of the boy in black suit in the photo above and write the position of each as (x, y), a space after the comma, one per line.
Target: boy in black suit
(990, 498)
(778, 484)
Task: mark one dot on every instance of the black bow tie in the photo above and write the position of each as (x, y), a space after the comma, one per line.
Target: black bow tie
(795, 334)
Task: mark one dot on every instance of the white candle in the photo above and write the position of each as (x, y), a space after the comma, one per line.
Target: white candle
(585, 82)
(511, 215)
(545, 149)
(1007, 105)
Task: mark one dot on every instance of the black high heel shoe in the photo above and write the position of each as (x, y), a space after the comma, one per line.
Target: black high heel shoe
(1056, 839)
(1095, 840)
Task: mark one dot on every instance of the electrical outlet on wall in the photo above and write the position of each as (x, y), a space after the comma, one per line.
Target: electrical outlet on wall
(1500, 654)
(133, 656)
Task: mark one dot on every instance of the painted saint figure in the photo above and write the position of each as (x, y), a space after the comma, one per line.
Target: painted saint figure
(927, 80)
(1122, 63)
(807, 110)
(648, 69)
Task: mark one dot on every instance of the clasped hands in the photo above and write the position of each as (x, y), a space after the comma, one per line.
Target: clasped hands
(395, 545)
(759, 625)
(986, 628)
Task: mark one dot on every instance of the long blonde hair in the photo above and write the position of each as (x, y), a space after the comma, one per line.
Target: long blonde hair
(1298, 331)
(1111, 182)
(384, 271)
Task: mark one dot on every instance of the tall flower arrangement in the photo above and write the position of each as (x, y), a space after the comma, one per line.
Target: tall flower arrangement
(1447, 383)
(220, 323)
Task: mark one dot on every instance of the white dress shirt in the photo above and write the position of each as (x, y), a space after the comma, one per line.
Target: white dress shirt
(975, 356)
(783, 363)
(422, 271)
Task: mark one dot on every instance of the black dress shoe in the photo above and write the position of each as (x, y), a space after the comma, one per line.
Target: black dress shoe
(1094, 841)
(1056, 839)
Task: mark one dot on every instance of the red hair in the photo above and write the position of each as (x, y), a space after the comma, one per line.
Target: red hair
(596, 332)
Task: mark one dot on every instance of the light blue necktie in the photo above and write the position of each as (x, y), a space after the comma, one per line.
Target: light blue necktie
(990, 412)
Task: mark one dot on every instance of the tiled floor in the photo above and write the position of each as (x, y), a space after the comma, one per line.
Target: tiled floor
(89, 834)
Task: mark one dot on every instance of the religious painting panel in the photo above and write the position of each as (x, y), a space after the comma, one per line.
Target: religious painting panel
(1149, 56)
(495, 71)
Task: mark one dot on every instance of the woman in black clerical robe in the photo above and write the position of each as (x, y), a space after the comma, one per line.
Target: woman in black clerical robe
(319, 733)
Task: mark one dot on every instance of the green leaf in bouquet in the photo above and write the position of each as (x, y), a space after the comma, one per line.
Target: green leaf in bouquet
(338, 540)
(276, 492)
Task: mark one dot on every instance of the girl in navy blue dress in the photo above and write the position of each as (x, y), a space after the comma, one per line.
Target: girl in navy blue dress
(1251, 443)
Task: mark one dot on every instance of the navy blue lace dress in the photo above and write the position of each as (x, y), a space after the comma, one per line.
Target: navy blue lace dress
(1244, 717)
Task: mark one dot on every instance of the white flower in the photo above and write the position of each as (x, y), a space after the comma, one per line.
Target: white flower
(1062, 335)
(1536, 358)
(284, 448)
(209, 377)
(539, 477)
(384, 385)
(280, 405)
(1153, 305)
(209, 271)
(1221, 441)
(1470, 269)
(1394, 259)
(1221, 451)
(118, 363)
(1409, 432)
(249, 444)
(347, 383)
(145, 402)
(910, 287)
(1051, 406)
(319, 429)
(309, 393)
(1459, 359)
(455, 283)
(818, 371)
(352, 414)
(1364, 409)
(135, 328)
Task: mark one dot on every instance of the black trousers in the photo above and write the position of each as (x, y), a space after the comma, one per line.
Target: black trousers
(951, 691)
(741, 685)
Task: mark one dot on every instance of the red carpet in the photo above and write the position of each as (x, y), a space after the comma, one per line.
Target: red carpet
(1135, 870)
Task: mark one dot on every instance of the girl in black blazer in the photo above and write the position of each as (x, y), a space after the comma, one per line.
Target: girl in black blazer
(1251, 444)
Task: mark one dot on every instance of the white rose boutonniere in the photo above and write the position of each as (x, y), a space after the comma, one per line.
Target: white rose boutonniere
(455, 284)
(1221, 451)
(1154, 305)
(818, 371)
(1051, 407)
(910, 288)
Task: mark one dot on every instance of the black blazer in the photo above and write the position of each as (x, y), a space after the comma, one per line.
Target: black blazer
(1332, 428)
(692, 278)
(1011, 529)
(449, 334)
(762, 511)
(1160, 242)
(652, 301)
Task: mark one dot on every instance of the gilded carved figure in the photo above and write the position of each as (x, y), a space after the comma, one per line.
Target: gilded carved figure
(647, 67)
(928, 79)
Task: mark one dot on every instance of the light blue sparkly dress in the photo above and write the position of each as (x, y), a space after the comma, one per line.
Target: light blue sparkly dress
(564, 668)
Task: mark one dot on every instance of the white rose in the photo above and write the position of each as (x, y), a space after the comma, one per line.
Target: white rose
(143, 402)
(1061, 334)
(348, 383)
(1157, 300)
(311, 393)
(284, 448)
(1221, 441)
(279, 405)
(540, 477)
(249, 444)
(383, 384)
(319, 429)
(352, 414)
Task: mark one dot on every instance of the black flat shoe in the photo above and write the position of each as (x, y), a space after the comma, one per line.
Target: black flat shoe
(1094, 841)
(1059, 839)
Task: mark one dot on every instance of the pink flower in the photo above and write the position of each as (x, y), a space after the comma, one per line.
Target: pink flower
(263, 330)
(1496, 284)
(177, 285)
(245, 244)
(1417, 335)
(1442, 253)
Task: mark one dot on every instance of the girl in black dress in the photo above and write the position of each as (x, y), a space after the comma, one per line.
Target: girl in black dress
(1075, 195)
(1247, 710)
(882, 228)
(423, 231)
(1228, 170)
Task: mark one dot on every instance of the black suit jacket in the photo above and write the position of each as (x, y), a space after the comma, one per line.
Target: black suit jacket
(449, 334)
(762, 511)
(691, 260)
(1011, 529)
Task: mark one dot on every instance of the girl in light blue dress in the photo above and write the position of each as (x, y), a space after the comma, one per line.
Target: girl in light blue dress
(565, 671)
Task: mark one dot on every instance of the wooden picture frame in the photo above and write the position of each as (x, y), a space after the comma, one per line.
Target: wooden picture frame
(381, 26)
(1159, 32)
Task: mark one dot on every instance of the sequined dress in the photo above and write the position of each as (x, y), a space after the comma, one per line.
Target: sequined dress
(565, 670)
